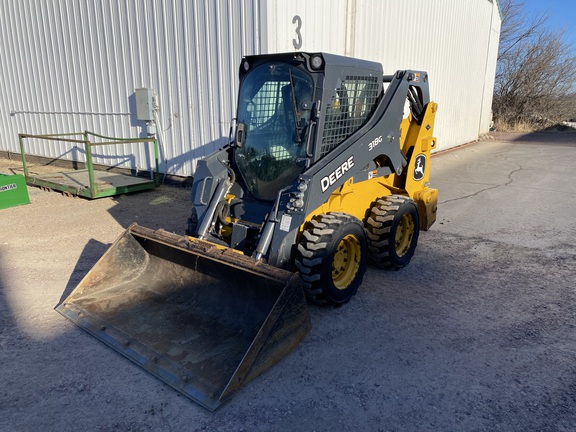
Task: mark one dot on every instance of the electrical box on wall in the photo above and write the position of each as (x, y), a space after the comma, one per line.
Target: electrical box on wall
(144, 104)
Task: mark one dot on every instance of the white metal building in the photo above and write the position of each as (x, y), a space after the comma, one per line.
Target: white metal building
(70, 66)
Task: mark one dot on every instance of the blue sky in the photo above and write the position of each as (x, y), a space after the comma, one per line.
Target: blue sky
(562, 14)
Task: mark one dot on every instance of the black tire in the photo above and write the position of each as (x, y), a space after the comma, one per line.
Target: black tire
(332, 256)
(392, 228)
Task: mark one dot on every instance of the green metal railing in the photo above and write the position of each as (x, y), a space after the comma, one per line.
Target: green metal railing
(93, 190)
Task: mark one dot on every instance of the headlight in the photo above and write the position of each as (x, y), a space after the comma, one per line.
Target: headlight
(316, 62)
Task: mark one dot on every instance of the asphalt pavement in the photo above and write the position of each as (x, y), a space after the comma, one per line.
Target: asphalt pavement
(477, 333)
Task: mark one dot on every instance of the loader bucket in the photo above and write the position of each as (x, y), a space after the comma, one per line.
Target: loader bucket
(202, 319)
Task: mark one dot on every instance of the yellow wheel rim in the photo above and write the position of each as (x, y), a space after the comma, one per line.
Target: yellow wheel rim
(346, 262)
(404, 235)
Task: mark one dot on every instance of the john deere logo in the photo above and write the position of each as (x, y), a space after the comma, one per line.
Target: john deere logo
(419, 167)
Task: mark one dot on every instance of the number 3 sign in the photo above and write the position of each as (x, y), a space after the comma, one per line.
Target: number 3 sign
(297, 42)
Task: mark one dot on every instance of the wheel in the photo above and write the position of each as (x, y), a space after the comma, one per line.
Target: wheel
(392, 228)
(331, 257)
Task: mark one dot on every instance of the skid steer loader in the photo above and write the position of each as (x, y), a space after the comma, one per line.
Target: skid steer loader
(323, 173)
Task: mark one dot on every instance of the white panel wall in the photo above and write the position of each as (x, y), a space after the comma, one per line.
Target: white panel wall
(486, 117)
(455, 41)
(306, 26)
(67, 66)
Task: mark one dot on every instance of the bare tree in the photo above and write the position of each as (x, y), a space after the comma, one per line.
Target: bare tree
(536, 71)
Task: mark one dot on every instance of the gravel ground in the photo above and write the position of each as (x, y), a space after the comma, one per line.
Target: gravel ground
(478, 333)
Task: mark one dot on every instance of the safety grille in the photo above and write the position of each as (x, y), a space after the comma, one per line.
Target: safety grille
(348, 110)
(269, 111)
(267, 102)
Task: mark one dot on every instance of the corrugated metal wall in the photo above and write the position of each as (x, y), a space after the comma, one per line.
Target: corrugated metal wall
(74, 65)
(455, 41)
(68, 66)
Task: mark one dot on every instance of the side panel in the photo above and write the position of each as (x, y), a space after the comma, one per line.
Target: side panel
(209, 174)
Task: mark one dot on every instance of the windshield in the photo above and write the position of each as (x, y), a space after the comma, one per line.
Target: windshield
(270, 111)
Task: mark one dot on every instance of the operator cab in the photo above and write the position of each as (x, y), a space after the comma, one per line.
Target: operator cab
(273, 124)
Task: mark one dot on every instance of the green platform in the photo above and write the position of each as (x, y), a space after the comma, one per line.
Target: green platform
(88, 182)
(13, 191)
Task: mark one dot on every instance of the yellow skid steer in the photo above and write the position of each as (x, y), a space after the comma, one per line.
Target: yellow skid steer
(324, 173)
